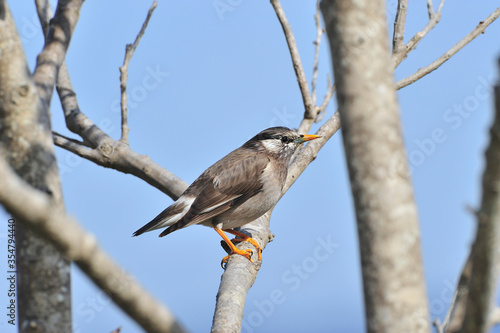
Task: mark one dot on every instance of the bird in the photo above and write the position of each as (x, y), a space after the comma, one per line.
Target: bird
(237, 189)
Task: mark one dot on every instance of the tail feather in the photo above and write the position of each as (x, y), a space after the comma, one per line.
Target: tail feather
(168, 217)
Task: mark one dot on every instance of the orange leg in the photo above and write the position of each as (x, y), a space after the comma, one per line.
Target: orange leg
(246, 253)
(244, 238)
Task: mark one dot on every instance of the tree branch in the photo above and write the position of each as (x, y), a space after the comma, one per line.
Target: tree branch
(297, 63)
(486, 255)
(129, 52)
(330, 90)
(81, 247)
(399, 28)
(317, 43)
(108, 152)
(57, 40)
(479, 29)
(457, 308)
(239, 276)
(434, 18)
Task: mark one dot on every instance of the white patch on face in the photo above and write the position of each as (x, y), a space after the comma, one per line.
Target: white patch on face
(273, 145)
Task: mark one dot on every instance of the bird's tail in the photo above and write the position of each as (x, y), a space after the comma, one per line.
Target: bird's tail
(166, 218)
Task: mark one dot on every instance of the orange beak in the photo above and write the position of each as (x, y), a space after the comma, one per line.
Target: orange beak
(306, 137)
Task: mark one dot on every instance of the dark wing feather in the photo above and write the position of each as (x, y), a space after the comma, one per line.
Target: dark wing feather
(235, 179)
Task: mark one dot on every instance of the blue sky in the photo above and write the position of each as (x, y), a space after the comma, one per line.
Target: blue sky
(201, 83)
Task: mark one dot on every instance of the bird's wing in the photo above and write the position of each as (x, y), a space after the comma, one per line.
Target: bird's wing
(231, 185)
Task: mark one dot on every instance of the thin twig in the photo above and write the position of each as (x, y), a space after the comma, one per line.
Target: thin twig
(330, 90)
(297, 63)
(479, 29)
(129, 52)
(399, 27)
(317, 43)
(412, 43)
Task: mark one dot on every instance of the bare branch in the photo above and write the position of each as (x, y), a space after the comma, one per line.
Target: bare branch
(412, 44)
(457, 308)
(57, 41)
(129, 52)
(330, 90)
(430, 9)
(81, 247)
(317, 43)
(479, 29)
(297, 63)
(399, 27)
(44, 14)
(486, 257)
(238, 278)
(111, 153)
(76, 147)
(310, 151)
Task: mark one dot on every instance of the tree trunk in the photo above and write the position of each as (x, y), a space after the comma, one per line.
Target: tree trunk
(389, 239)
(43, 275)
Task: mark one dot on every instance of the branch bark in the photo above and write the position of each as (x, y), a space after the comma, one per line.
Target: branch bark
(81, 247)
(399, 28)
(395, 295)
(486, 255)
(60, 30)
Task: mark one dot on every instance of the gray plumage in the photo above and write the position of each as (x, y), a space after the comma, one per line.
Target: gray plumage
(237, 189)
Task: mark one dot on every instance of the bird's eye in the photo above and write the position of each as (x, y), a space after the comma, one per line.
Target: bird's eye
(285, 139)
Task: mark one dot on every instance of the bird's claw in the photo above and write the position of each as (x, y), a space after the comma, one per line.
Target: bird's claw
(245, 253)
(251, 241)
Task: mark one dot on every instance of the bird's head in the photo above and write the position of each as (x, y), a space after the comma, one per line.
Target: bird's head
(278, 141)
